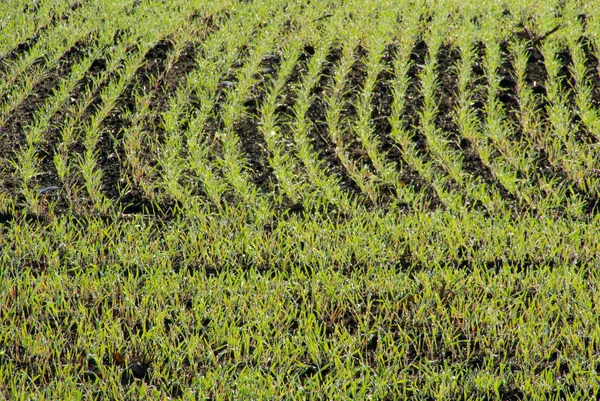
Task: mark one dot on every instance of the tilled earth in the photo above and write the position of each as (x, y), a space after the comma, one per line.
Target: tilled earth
(163, 83)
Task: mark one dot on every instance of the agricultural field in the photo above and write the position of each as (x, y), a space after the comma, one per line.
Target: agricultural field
(295, 199)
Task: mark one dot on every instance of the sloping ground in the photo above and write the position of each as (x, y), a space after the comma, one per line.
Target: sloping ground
(279, 199)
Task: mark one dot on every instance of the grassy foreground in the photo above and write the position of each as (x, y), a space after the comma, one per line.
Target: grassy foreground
(278, 199)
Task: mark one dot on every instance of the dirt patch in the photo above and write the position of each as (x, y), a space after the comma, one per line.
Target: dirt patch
(447, 59)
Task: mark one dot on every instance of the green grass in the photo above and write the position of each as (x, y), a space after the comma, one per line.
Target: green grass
(288, 200)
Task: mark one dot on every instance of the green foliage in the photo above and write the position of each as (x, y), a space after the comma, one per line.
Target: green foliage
(283, 200)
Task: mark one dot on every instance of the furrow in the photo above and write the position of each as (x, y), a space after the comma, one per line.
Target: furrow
(481, 185)
(31, 25)
(407, 100)
(198, 172)
(319, 128)
(28, 125)
(323, 185)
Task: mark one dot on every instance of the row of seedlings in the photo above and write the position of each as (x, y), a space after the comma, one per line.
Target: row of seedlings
(445, 160)
(466, 119)
(400, 131)
(23, 29)
(136, 136)
(23, 24)
(530, 124)
(474, 191)
(558, 140)
(37, 133)
(27, 71)
(231, 160)
(583, 77)
(337, 122)
(273, 126)
(326, 187)
(70, 128)
(285, 168)
(181, 176)
(27, 159)
(91, 174)
(126, 59)
(550, 192)
(586, 174)
(507, 160)
(516, 142)
(385, 172)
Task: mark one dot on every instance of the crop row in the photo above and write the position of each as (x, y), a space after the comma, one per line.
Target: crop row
(401, 114)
